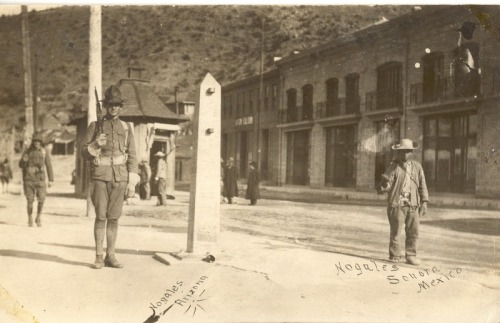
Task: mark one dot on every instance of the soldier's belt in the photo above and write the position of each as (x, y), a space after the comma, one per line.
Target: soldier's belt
(114, 160)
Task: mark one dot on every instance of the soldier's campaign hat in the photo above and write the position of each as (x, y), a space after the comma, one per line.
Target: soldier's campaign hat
(405, 144)
(113, 95)
(37, 137)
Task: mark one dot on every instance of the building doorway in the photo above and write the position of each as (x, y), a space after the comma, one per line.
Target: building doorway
(297, 157)
(341, 156)
(450, 152)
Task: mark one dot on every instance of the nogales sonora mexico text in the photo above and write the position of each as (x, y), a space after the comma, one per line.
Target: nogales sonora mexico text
(423, 278)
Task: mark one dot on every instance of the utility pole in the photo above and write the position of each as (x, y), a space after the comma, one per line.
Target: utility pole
(261, 90)
(176, 100)
(28, 94)
(95, 81)
(35, 94)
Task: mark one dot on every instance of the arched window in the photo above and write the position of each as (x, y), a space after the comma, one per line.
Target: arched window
(307, 102)
(332, 96)
(291, 104)
(389, 86)
(434, 83)
(352, 93)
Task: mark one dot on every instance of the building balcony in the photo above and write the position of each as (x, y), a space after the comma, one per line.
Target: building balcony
(338, 107)
(443, 90)
(295, 114)
(383, 100)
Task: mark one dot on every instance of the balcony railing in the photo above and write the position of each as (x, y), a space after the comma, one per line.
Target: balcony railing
(381, 100)
(337, 107)
(443, 90)
(295, 114)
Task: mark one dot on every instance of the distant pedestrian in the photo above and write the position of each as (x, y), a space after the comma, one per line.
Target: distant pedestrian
(145, 173)
(161, 178)
(230, 181)
(407, 200)
(5, 175)
(222, 171)
(109, 145)
(35, 161)
(253, 191)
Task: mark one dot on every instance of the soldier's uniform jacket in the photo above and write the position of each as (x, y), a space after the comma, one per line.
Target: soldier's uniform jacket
(34, 168)
(118, 144)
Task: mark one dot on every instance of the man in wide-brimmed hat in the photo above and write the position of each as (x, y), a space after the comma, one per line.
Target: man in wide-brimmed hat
(109, 146)
(34, 162)
(407, 200)
(161, 178)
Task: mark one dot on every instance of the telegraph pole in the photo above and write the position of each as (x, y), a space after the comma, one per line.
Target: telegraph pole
(95, 81)
(261, 90)
(28, 91)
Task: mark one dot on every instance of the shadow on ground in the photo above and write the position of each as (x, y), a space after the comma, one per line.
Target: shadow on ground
(486, 226)
(40, 256)
(70, 195)
(118, 250)
(161, 228)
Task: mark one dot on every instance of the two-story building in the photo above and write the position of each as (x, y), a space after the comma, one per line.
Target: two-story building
(249, 116)
(432, 75)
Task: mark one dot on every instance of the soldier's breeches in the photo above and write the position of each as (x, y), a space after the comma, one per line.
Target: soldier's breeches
(107, 198)
(32, 189)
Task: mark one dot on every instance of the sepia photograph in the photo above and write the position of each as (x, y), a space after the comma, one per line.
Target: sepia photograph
(249, 162)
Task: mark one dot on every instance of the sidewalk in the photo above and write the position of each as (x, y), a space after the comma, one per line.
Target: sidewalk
(46, 272)
(345, 194)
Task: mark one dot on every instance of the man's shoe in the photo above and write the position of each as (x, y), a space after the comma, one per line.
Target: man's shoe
(412, 260)
(99, 262)
(38, 221)
(110, 261)
(394, 259)
(30, 221)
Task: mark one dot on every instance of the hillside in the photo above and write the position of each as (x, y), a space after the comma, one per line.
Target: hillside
(176, 44)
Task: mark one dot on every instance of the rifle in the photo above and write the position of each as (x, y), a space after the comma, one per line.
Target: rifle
(98, 112)
(94, 149)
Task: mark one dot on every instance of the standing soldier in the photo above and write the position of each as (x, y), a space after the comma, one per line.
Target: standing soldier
(33, 162)
(110, 147)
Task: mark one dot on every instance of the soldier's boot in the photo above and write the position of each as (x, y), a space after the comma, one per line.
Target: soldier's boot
(111, 234)
(99, 232)
(30, 212)
(99, 262)
(38, 219)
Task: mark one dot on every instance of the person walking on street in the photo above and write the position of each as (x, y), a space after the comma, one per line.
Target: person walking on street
(35, 161)
(407, 200)
(230, 181)
(253, 191)
(110, 148)
(145, 173)
(5, 175)
(161, 178)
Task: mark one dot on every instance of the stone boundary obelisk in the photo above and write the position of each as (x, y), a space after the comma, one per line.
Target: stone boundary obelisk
(204, 202)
